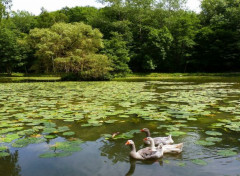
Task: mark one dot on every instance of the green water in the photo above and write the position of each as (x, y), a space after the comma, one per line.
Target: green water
(64, 129)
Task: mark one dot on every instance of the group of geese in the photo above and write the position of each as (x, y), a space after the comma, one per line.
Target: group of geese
(158, 146)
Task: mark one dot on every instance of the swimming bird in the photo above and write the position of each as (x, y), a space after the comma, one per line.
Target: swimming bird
(175, 148)
(157, 140)
(146, 153)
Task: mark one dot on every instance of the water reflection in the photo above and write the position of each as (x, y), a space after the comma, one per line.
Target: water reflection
(9, 165)
(133, 162)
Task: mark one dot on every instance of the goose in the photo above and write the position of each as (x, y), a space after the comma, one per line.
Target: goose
(146, 153)
(175, 148)
(157, 140)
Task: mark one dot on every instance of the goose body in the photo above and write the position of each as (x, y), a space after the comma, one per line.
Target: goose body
(146, 153)
(157, 140)
(175, 148)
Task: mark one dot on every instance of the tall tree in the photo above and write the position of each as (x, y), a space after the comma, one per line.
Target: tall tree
(69, 46)
(24, 21)
(10, 50)
(117, 51)
(218, 41)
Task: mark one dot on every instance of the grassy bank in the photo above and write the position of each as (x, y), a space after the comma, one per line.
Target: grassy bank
(164, 75)
(20, 77)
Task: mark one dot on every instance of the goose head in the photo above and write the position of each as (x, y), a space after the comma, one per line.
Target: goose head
(170, 140)
(129, 142)
(144, 130)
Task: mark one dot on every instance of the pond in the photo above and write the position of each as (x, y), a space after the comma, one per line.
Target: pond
(65, 129)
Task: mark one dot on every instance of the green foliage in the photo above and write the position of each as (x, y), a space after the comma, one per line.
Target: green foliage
(143, 35)
(218, 41)
(11, 50)
(71, 48)
(90, 67)
(80, 14)
(47, 19)
(117, 51)
(24, 21)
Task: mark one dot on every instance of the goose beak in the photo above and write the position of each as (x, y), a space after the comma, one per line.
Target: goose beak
(145, 139)
(127, 143)
(142, 130)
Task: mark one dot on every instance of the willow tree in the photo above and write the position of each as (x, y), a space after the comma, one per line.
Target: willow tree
(70, 48)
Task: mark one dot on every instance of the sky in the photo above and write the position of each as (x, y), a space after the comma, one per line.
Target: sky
(34, 6)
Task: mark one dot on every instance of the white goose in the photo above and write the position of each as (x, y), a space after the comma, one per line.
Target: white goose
(157, 140)
(146, 153)
(175, 148)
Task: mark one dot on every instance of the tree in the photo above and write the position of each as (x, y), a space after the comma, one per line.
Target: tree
(24, 21)
(10, 50)
(183, 27)
(117, 51)
(73, 42)
(90, 67)
(47, 19)
(156, 47)
(218, 46)
(80, 14)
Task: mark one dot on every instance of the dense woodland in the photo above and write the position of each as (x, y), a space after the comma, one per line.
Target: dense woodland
(124, 36)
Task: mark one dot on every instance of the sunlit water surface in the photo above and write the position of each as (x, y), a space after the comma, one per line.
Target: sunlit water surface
(192, 107)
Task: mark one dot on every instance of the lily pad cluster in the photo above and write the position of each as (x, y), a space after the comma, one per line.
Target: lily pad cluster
(3, 151)
(38, 112)
(62, 149)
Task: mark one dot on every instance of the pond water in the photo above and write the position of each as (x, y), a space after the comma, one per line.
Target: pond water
(65, 129)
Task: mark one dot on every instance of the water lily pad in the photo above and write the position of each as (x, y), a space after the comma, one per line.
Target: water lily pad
(10, 137)
(70, 133)
(182, 164)
(3, 154)
(127, 135)
(204, 143)
(166, 161)
(3, 148)
(199, 162)
(50, 130)
(26, 141)
(50, 136)
(176, 133)
(226, 153)
(53, 155)
(63, 129)
(213, 139)
(110, 121)
(213, 133)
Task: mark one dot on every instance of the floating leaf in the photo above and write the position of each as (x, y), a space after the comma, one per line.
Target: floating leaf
(213, 139)
(199, 162)
(182, 164)
(213, 133)
(110, 121)
(10, 137)
(3, 148)
(53, 155)
(3, 154)
(204, 143)
(226, 153)
(26, 141)
(50, 136)
(70, 133)
(176, 133)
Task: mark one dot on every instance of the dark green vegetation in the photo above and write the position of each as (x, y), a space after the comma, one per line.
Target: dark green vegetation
(138, 35)
(70, 125)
